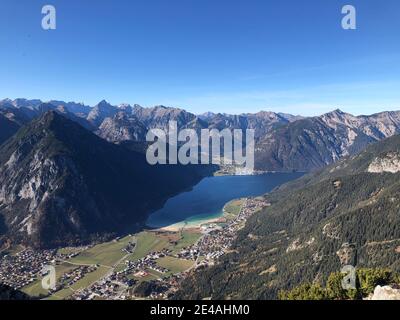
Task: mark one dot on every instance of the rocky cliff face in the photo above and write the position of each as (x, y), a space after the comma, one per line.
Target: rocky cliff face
(261, 122)
(100, 112)
(122, 127)
(389, 162)
(313, 143)
(160, 116)
(79, 109)
(385, 293)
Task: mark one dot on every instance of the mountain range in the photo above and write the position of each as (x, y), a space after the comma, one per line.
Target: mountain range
(312, 143)
(284, 142)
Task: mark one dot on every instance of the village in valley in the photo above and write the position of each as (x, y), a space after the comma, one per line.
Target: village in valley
(147, 265)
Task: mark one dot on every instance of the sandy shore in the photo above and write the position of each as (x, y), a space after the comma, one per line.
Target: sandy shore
(191, 225)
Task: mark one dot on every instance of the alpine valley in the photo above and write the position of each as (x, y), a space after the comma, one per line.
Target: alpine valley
(76, 192)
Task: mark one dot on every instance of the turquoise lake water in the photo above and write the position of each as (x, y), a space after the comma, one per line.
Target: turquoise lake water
(207, 199)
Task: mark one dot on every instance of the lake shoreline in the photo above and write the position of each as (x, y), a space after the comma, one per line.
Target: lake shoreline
(206, 202)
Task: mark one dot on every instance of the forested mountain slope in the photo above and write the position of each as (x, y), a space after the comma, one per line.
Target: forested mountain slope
(345, 214)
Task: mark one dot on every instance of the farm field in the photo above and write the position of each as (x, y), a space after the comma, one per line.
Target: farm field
(232, 209)
(60, 295)
(105, 254)
(187, 238)
(110, 257)
(176, 265)
(148, 241)
(90, 278)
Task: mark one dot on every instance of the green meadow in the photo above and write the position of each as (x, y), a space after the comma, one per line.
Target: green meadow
(105, 254)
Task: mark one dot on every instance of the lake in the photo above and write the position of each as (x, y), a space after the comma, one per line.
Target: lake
(207, 199)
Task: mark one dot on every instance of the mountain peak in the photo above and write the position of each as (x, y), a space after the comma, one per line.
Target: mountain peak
(338, 111)
(103, 103)
(50, 116)
(53, 121)
(101, 111)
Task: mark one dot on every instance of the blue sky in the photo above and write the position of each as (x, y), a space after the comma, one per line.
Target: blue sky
(205, 55)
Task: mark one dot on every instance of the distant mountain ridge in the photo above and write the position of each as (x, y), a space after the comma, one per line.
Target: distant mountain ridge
(312, 143)
(106, 119)
(284, 142)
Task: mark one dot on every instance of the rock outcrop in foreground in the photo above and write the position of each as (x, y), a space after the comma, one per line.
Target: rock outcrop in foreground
(386, 293)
